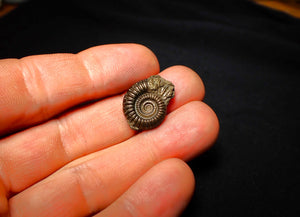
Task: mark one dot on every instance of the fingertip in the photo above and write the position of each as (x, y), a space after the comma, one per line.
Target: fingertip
(146, 55)
(203, 128)
(186, 79)
(188, 85)
(178, 170)
(163, 191)
(176, 185)
(213, 126)
(186, 132)
(138, 61)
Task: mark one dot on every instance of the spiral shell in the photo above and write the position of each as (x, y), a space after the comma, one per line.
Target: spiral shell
(145, 103)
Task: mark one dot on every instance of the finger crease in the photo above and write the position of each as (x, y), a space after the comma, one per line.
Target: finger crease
(84, 174)
(60, 129)
(131, 208)
(35, 86)
(90, 69)
(72, 138)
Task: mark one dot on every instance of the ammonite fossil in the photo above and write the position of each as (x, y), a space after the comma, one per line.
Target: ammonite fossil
(145, 103)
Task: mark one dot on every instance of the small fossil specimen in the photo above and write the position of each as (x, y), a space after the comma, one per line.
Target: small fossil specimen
(145, 103)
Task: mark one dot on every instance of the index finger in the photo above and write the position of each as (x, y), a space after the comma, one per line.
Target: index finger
(35, 88)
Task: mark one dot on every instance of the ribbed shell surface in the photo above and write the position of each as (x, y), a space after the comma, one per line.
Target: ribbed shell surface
(144, 110)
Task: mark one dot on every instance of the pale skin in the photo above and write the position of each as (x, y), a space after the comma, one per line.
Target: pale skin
(59, 159)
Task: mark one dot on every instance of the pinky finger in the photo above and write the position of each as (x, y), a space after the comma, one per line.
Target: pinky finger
(163, 191)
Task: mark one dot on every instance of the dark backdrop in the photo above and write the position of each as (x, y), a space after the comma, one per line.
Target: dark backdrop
(249, 59)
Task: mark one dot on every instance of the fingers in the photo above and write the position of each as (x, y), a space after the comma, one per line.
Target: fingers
(36, 153)
(36, 88)
(162, 191)
(96, 180)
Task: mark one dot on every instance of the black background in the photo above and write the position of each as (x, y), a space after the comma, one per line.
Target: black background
(249, 59)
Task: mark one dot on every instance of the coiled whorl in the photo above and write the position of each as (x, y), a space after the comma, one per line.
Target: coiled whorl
(145, 103)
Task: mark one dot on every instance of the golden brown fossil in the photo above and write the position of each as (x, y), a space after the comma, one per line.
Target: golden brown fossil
(145, 103)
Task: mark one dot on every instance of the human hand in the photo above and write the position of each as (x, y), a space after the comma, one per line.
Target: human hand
(69, 160)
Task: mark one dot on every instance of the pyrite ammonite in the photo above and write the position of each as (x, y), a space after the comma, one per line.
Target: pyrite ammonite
(145, 103)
